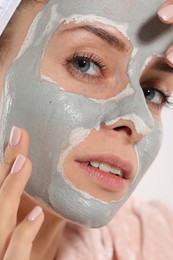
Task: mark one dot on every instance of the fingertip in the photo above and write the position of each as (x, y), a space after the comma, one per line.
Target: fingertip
(35, 214)
(165, 13)
(21, 165)
(25, 135)
(35, 219)
(15, 136)
(24, 235)
(18, 164)
(169, 58)
(29, 164)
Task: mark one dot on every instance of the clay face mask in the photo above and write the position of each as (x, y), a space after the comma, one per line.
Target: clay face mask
(58, 120)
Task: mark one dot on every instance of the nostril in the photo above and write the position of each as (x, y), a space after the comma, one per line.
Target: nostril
(124, 128)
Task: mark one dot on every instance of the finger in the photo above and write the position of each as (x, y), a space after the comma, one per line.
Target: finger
(169, 56)
(10, 194)
(22, 239)
(165, 12)
(18, 143)
(15, 183)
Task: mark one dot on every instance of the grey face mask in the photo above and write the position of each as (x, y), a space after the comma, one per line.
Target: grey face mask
(54, 117)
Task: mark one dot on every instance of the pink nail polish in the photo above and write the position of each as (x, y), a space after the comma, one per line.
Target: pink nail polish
(166, 13)
(15, 136)
(18, 164)
(35, 213)
(170, 56)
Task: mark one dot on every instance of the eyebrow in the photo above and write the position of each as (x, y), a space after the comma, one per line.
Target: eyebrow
(114, 41)
(109, 38)
(162, 65)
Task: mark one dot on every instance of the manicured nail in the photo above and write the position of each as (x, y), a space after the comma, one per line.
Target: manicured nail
(18, 164)
(15, 136)
(166, 12)
(35, 213)
(169, 56)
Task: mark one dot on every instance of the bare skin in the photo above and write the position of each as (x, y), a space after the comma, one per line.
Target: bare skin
(22, 238)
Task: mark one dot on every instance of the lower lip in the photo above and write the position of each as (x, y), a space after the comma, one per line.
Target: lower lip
(104, 179)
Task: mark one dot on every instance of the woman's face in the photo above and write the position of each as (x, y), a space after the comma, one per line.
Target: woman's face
(93, 107)
(96, 67)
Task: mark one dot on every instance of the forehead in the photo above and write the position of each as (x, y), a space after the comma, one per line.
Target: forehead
(122, 10)
(137, 20)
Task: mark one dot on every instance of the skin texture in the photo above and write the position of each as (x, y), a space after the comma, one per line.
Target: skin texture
(21, 241)
(47, 106)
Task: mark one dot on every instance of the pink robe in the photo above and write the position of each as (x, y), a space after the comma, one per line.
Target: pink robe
(139, 231)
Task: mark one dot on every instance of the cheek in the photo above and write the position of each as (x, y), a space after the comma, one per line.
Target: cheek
(156, 112)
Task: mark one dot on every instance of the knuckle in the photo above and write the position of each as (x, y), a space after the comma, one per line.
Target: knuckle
(5, 193)
(10, 191)
(21, 233)
(9, 198)
(13, 186)
(7, 161)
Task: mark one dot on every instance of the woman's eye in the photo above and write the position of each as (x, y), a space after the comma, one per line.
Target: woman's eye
(154, 96)
(84, 65)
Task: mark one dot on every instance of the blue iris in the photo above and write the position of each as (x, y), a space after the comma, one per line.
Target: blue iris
(81, 64)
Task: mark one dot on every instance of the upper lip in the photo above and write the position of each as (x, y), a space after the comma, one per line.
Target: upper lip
(117, 161)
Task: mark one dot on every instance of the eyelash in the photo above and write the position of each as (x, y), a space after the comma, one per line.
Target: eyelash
(90, 57)
(166, 98)
(167, 102)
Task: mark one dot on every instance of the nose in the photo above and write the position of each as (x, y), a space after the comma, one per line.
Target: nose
(126, 129)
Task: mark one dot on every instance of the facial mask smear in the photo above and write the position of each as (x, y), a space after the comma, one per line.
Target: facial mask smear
(53, 116)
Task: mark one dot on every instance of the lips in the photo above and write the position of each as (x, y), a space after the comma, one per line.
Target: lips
(110, 172)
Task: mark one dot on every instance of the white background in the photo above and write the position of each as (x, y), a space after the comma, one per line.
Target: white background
(158, 181)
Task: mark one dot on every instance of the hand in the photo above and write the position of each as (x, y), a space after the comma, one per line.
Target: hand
(16, 239)
(165, 14)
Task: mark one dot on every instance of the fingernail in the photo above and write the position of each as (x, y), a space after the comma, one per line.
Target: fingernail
(35, 213)
(18, 164)
(166, 12)
(169, 56)
(15, 136)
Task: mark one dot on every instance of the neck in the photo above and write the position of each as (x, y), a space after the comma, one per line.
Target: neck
(48, 239)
